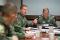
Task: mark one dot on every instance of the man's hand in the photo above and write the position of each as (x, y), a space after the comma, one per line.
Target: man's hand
(34, 21)
(29, 34)
(14, 37)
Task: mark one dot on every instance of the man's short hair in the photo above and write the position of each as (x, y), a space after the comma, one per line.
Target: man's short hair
(9, 7)
(44, 10)
(23, 5)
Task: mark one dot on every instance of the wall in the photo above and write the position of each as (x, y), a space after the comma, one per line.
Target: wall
(2, 2)
(35, 6)
(18, 3)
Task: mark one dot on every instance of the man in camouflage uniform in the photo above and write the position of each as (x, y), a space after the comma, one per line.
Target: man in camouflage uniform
(21, 22)
(45, 18)
(2, 27)
(6, 21)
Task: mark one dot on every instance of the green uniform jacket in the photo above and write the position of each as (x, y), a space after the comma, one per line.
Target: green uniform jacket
(19, 24)
(49, 20)
(2, 33)
(2, 30)
(7, 32)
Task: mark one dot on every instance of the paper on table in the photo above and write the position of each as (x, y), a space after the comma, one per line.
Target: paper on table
(45, 38)
(45, 25)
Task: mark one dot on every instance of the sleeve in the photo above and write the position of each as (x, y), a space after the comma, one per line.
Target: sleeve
(2, 31)
(53, 22)
(40, 20)
(21, 35)
(18, 29)
(12, 30)
(29, 23)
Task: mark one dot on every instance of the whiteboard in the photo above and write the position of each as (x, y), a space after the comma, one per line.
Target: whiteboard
(35, 7)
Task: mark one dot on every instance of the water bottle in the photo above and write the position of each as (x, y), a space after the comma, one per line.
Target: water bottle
(51, 33)
(40, 30)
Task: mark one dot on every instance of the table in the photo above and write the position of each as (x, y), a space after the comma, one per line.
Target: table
(43, 36)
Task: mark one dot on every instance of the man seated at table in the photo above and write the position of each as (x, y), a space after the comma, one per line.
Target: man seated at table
(21, 22)
(45, 18)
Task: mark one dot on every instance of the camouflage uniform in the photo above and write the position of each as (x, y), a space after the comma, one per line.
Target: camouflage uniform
(5, 30)
(19, 24)
(2, 30)
(49, 20)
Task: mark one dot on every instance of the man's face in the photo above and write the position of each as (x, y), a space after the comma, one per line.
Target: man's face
(46, 13)
(13, 16)
(23, 11)
(10, 18)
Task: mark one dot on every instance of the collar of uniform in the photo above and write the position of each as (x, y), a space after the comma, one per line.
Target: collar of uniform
(21, 14)
(47, 17)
